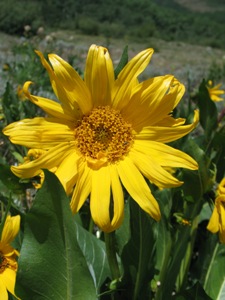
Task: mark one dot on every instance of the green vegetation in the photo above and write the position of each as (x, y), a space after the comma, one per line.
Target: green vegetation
(163, 19)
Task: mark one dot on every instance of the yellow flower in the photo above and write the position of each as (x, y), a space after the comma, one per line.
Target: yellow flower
(20, 93)
(106, 133)
(215, 91)
(8, 255)
(217, 220)
(221, 187)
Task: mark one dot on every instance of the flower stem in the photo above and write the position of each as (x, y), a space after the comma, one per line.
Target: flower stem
(111, 254)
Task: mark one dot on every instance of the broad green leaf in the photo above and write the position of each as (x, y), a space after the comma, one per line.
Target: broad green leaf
(210, 265)
(221, 295)
(51, 263)
(214, 280)
(95, 254)
(138, 254)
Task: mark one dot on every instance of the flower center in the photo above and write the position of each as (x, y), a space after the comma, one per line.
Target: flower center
(7, 263)
(104, 134)
(3, 263)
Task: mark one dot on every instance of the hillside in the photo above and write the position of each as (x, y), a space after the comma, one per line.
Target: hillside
(195, 22)
(202, 6)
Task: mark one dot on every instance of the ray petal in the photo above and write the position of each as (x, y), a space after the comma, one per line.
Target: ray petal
(51, 107)
(165, 155)
(75, 88)
(213, 224)
(83, 187)
(9, 280)
(67, 171)
(137, 187)
(127, 78)
(153, 171)
(145, 96)
(11, 229)
(40, 132)
(100, 198)
(67, 103)
(99, 75)
(155, 104)
(166, 134)
(118, 198)
(49, 159)
(3, 291)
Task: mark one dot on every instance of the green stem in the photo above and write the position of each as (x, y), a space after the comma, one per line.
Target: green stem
(111, 254)
(140, 261)
(91, 225)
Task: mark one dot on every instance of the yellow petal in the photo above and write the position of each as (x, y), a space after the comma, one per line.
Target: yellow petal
(118, 198)
(40, 132)
(222, 237)
(11, 229)
(213, 224)
(215, 91)
(167, 134)
(59, 90)
(7, 250)
(137, 187)
(51, 158)
(82, 189)
(3, 290)
(221, 187)
(51, 107)
(99, 75)
(169, 121)
(148, 98)
(165, 155)
(9, 278)
(216, 98)
(67, 171)
(75, 88)
(127, 77)
(153, 171)
(100, 198)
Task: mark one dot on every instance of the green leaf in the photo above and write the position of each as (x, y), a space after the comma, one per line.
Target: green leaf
(123, 232)
(208, 110)
(122, 63)
(138, 254)
(203, 179)
(51, 263)
(218, 146)
(95, 254)
(164, 239)
(214, 281)
(210, 265)
(10, 181)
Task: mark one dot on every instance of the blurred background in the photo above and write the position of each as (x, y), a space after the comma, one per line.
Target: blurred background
(187, 35)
